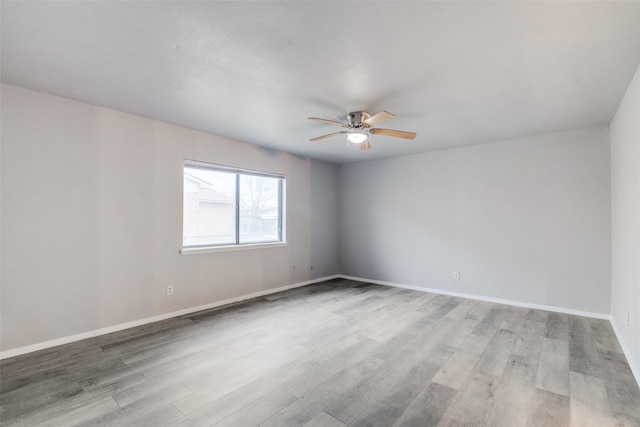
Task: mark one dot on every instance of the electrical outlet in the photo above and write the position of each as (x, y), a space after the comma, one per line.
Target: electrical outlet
(169, 290)
(456, 275)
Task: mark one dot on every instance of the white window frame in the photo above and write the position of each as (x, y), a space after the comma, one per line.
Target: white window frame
(195, 249)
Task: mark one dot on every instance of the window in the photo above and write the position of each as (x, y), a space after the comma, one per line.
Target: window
(230, 207)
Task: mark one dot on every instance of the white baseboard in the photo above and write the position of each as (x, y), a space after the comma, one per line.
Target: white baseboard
(483, 298)
(102, 331)
(633, 364)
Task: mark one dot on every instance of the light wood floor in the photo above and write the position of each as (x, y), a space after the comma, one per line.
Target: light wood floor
(333, 354)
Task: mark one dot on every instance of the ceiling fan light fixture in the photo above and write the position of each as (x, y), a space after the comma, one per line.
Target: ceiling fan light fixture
(359, 126)
(357, 136)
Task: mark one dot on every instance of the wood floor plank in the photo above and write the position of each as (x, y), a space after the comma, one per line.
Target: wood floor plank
(148, 389)
(589, 403)
(248, 367)
(336, 353)
(349, 405)
(300, 412)
(397, 343)
(324, 350)
(58, 408)
(260, 410)
(408, 385)
(395, 383)
(548, 409)
(514, 319)
(520, 370)
(342, 381)
(531, 334)
(472, 405)
(20, 387)
(16, 364)
(146, 408)
(464, 327)
(428, 407)
(462, 310)
(314, 377)
(455, 372)
(445, 305)
(557, 327)
(377, 415)
(229, 396)
(396, 326)
(323, 420)
(603, 335)
(457, 369)
(496, 355)
(583, 353)
(623, 394)
(491, 321)
(165, 415)
(553, 368)
(90, 414)
(512, 400)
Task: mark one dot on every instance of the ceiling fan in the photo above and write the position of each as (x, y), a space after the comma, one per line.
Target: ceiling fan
(359, 128)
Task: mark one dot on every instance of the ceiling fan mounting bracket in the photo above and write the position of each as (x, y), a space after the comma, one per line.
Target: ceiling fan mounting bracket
(356, 119)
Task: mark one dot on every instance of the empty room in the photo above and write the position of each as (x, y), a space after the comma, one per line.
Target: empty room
(320, 213)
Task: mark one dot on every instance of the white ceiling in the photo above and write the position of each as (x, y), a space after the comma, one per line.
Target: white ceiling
(457, 73)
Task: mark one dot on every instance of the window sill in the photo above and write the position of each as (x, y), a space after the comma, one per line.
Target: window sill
(210, 249)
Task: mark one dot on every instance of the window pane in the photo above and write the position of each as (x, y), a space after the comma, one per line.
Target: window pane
(259, 209)
(209, 207)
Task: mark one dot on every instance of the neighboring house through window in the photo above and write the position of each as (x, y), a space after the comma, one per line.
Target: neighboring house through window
(229, 207)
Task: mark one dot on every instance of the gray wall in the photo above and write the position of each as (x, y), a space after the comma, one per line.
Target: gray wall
(625, 221)
(525, 220)
(91, 220)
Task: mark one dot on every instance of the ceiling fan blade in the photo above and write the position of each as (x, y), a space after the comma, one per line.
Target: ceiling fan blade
(365, 145)
(333, 122)
(391, 132)
(378, 118)
(329, 135)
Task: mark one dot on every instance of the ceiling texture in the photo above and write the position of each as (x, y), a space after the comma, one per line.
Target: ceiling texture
(457, 73)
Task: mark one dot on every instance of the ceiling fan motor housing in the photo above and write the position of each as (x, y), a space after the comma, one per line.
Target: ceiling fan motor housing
(357, 118)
